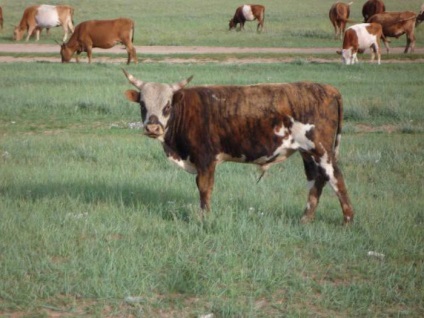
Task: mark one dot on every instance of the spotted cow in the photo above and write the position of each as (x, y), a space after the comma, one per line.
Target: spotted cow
(35, 18)
(248, 12)
(361, 37)
(263, 124)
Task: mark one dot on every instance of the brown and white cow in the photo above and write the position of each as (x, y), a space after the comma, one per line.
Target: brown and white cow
(263, 124)
(102, 34)
(36, 18)
(339, 16)
(396, 24)
(361, 37)
(372, 7)
(248, 12)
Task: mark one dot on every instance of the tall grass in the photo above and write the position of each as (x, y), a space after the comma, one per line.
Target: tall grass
(288, 23)
(95, 221)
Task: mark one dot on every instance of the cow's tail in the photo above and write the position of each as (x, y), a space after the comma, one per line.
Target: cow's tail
(339, 126)
(132, 33)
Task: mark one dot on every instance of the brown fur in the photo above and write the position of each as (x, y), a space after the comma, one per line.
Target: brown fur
(372, 7)
(339, 15)
(28, 22)
(258, 12)
(209, 124)
(102, 34)
(396, 24)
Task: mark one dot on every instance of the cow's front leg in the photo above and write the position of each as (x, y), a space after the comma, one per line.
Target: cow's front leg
(89, 54)
(205, 181)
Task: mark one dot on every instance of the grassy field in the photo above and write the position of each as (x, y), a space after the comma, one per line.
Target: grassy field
(289, 23)
(94, 221)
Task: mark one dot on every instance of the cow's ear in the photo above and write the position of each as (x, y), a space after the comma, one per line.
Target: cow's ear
(132, 95)
(339, 52)
(177, 98)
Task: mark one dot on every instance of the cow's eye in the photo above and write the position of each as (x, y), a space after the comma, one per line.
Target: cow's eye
(166, 109)
(142, 105)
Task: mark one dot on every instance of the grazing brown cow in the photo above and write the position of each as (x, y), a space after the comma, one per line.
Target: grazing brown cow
(396, 24)
(359, 38)
(1, 18)
(102, 34)
(263, 124)
(339, 15)
(35, 18)
(248, 12)
(372, 7)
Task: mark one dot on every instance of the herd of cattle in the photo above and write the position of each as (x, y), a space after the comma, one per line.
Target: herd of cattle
(263, 124)
(378, 25)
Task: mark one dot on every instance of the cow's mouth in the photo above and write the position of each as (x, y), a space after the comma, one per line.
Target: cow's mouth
(152, 135)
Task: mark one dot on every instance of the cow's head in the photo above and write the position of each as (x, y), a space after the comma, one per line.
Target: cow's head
(17, 34)
(155, 101)
(65, 53)
(348, 56)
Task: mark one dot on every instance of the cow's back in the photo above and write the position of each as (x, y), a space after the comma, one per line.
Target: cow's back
(104, 33)
(240, 121)
(393, 22)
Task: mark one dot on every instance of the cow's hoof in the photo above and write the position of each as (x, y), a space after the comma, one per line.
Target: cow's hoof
(306, 219)
(347, 220)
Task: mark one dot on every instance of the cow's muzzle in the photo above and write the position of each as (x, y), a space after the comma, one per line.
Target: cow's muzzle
(153, 130)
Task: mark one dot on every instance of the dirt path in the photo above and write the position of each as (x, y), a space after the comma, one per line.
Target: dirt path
(38, 49)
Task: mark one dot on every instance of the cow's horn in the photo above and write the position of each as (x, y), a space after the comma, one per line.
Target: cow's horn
(178, 86)
(137, 83)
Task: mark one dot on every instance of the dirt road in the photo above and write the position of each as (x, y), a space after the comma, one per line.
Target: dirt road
(38, 49)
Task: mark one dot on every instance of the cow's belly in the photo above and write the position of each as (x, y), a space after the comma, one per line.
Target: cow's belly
(366, 41)
(47, 16)
(297, 137)
(247, 13)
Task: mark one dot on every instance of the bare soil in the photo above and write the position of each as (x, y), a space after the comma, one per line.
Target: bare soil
(309, 54)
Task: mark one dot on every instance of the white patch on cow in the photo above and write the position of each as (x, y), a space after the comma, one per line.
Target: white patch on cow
(184, 164)
(222, 157)
(292, 141)
(326, 164)
(47, 16)
(247, 12)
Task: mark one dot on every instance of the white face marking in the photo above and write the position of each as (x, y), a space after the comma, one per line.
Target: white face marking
(247, 12)
(47, 16)
(156, 97)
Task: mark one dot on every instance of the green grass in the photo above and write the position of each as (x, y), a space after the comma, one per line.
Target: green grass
(290, 23)
(92, 212)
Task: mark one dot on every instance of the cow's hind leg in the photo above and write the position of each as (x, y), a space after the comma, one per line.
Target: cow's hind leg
(318, 172)
(131, 53)
(316, 182)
